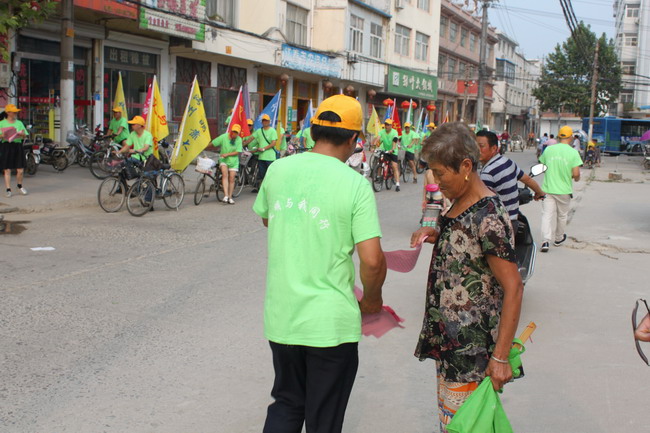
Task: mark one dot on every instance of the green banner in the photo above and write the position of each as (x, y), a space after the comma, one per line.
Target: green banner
(411, 83)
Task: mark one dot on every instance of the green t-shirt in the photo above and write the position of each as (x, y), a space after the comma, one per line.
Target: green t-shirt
(252, 145)
(386, 140)
(283, 143)
(407, 140)
(114, 126)
(140, 143)
(560, 160)
(314, 224)
(229, 146)
(271, 135)
(18, 125)
(308, 142)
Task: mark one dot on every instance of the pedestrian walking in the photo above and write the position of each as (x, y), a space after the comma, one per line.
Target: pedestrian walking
(563, 164)
(230, 145)
(474, 289)
(502, 174)
(318, 212)
(12, 156)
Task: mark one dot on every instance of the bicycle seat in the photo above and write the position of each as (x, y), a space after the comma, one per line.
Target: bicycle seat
(166, 166)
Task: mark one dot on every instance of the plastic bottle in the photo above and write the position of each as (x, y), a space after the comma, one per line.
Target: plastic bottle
(433, 207)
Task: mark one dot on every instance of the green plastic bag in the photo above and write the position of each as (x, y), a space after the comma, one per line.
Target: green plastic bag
(481, 413)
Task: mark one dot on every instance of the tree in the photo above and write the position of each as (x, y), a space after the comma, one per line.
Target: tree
(565, 82)
(15, 14)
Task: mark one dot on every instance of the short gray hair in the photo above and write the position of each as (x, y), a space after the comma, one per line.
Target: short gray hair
(450, 144)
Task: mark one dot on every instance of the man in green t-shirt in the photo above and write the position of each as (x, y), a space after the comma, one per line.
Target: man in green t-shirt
(317, 211)
(265, 137)
(230, 146)
(305, 138)
(138, 144)
(118, 127)
(388, 139)
(563, 163)
(410, 139)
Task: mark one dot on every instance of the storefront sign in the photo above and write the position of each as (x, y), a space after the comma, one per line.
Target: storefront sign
(308, 61)
(120, 56)
(411, 83)
(113, 7)
(472, 88)
(167, 16)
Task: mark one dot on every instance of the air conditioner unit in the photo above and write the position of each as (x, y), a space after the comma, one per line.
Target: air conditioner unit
(5, 75)
(399, 4)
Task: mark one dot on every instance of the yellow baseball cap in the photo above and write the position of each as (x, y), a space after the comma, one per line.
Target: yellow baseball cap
(266, 117)
(431, 125)
(236, 128)
(565, 132)
(347, 108)
(11, 108)
(407, 124)
(137, 120)
(117, 109)
(249, 121)
(388, 121)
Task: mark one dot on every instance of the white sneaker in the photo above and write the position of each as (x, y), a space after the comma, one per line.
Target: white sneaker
(225, 200)
(8, 194)
(231, 201)
(23, 191)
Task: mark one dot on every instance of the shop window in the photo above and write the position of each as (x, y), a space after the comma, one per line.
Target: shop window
(187, 69)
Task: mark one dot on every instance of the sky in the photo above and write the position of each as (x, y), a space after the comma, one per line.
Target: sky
(539, 25)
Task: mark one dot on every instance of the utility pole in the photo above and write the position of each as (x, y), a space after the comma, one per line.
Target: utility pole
(67, 68)
(466, 95)
(594, 81)
(482, 67)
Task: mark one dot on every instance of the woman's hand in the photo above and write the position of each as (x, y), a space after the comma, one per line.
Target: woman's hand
(430, 233)
(499, 373)
(642, 332)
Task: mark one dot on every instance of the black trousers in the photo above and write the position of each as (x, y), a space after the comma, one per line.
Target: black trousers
(312, 386)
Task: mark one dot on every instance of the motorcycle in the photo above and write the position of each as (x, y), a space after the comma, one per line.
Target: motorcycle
(31, 152)
(525, 247)
(503, 146)
(52, 154)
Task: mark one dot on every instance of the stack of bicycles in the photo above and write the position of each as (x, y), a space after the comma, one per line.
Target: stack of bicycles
(139, 197)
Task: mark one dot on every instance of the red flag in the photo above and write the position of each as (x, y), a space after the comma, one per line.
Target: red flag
(147, 103)
(397, 125)
(239, 116)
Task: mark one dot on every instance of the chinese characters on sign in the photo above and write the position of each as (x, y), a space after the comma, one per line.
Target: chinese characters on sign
(154, 16)
(308, 61)
(412, 83)
(131, 58)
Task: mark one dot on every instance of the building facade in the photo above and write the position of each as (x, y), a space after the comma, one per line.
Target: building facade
(458, 65)
(514, 108)
(632, 44)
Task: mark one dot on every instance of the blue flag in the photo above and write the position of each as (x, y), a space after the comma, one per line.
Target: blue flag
(247, 101)
(271, 109)
(389, 112)
(310, 113)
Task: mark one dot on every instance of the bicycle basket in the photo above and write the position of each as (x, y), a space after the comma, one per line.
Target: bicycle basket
(244, 157)
(130, 170)
(204, 165)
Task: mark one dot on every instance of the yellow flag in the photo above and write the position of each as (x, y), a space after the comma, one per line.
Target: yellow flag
(373, 126)
(156, 119)
(193, 135)
(278, 129)
(118, 100)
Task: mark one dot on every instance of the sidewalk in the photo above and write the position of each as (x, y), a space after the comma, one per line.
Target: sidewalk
(49, 190)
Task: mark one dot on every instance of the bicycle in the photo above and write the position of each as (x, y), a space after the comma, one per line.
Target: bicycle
(141, 195)
(216, 185)
(102, 163)
(382, 172)
(111, 193)
(405, 170)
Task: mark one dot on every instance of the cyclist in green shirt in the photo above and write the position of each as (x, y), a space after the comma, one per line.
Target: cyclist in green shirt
(265, 137)
(410, 139)
(139, 144)
(388, 140)
(118, 127)
(230, 144)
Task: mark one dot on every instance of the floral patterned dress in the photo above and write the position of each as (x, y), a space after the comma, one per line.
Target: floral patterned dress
(464, 299)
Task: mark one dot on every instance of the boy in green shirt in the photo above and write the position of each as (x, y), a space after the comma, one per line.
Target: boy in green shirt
(230, 144)
(317, 212)
(118, 127)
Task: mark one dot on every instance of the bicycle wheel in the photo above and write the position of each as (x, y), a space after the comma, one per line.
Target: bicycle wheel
(173, 190)
(239, 184)
(99, 165)
(406, 171)
(30, 165)
(377, 174)
(199, 191)
(111, 194)
(72, 154)
(419, 167)
(140, 196)
(390, 181)
(60, 163)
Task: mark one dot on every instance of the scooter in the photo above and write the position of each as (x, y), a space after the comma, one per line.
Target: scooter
(525, 247)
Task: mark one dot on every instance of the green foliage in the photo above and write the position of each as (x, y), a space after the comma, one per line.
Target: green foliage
(565, 82)
(23, 13)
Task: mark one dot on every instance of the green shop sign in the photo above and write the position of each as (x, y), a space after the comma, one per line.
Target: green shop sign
(410, 83)
(180, 18)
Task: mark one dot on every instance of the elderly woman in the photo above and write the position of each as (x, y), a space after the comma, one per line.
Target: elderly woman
(474, 290)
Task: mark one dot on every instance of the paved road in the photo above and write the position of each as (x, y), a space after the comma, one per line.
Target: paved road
(154, 324)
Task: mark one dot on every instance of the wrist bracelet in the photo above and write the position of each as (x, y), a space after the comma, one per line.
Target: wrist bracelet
(500, 361)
